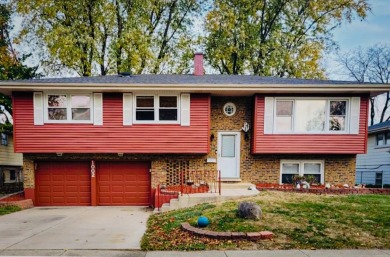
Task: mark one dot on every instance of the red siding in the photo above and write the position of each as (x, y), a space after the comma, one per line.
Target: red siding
(317, 143)
(112, 137)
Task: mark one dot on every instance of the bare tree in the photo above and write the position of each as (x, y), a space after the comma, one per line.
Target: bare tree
(371, 64)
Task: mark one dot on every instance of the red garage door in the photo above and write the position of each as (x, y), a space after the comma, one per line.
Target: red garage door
(63, 184)
(123, 183)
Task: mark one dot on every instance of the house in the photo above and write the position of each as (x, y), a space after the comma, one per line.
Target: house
(10, 162)
(373, 168)
(111, 140)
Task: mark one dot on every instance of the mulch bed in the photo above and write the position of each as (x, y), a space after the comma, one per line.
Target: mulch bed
(339, 190)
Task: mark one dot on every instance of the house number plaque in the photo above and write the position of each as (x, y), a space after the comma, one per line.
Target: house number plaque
(93, 168)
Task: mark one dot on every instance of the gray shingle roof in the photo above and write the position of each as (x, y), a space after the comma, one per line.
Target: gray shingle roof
(379, 127)
(183, 79)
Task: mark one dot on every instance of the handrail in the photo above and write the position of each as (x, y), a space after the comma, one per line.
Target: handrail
(190, 182)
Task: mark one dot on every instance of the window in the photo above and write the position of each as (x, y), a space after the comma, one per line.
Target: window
(4, 139)
(229, 109)
(12, 175)
(75, 108)
(383, 139)
(291, 168)
(380, 139)
(156, 108)
(284, 110)
(310, 115)
(378, 178)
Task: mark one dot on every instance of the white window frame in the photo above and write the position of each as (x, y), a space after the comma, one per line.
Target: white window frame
(327, 115)
(156, 109)
(301, 168)
(68, 108)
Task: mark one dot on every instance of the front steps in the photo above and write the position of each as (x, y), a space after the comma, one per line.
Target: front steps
(230, 191)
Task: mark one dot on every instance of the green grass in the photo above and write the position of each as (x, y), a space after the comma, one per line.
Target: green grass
(299, 221)
(8, 209)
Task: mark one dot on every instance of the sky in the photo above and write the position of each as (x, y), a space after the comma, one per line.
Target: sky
(374, 29)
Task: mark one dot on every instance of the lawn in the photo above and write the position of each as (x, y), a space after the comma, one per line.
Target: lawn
(8, 209)
(299, 221)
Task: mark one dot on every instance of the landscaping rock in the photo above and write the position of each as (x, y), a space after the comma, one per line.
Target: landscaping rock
(249, 210)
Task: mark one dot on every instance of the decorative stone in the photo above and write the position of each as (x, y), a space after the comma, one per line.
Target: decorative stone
(249, 210)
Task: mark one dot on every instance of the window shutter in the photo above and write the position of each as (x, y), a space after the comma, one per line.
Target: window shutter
(38, 108)
(185, 111)
(355, 115)
(127, 109)
(268, 115)
(97, 109)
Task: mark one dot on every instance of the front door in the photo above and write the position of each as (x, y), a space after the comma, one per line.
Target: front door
(229, 154)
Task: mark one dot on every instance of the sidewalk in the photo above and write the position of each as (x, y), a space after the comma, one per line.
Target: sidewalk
(238, 253)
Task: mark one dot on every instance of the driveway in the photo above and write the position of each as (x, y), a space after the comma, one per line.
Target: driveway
(74, 228)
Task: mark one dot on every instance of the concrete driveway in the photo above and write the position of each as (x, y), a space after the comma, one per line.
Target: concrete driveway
(74, 228)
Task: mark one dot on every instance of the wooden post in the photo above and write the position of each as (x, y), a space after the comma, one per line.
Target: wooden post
(93, 184)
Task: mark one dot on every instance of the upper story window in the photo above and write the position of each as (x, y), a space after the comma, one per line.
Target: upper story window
(383, 139)
(311, 115)
(74, 108)
(156, 109)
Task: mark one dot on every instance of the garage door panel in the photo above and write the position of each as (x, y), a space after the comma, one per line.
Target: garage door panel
(63, 184)
(121, 183)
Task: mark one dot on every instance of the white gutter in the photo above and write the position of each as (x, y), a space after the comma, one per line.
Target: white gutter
(236, 89)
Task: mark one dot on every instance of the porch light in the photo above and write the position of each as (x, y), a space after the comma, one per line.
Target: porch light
(120, 154)
(245, 128)
(59, 154)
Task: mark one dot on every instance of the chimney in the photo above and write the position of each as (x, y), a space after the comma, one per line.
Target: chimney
(198, 64)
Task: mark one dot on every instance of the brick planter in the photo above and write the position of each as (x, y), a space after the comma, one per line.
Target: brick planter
(16, 199)
(253, 236)
(24, 204)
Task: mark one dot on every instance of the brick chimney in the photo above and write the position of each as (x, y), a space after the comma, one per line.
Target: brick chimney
(198, 64)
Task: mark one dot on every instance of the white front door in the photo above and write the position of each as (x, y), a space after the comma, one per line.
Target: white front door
(228, 161)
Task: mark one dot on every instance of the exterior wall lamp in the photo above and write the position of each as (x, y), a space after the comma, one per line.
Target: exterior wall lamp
(245, 129)
(59, 154)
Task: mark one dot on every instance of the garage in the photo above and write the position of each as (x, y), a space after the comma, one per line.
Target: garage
(63, 184)
(123, 183)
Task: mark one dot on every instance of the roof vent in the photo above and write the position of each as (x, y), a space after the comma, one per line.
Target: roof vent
(124, 74)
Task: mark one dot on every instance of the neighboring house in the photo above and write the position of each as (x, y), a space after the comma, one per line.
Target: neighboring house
(10, 162)
(373, 168)
(111, 140)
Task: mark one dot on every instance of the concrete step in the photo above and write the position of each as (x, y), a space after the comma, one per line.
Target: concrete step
(165, 207)
(174, 204)
(230, 191)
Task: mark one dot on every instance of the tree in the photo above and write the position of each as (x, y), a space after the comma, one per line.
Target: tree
(284, 38)
(371, 65)
(11, 66)
(109, 36)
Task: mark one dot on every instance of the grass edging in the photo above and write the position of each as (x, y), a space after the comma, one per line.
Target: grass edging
(253, 236)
